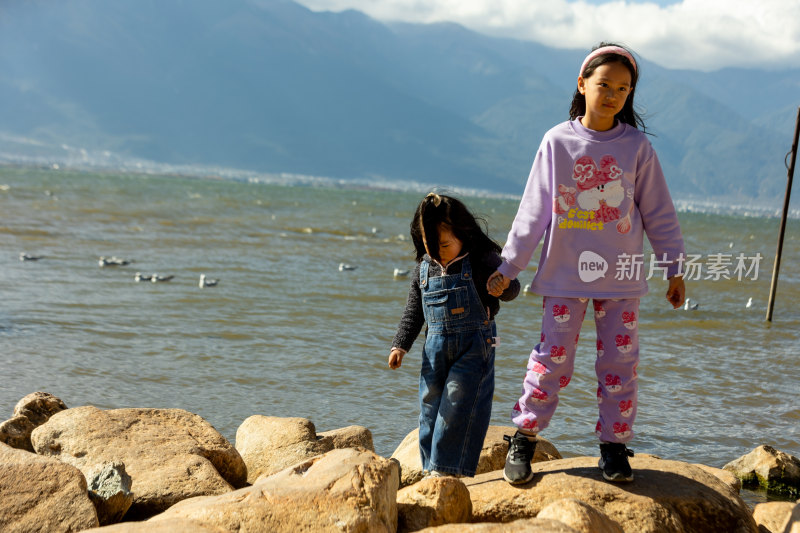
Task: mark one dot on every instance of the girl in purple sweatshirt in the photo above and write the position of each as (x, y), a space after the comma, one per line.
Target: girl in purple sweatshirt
(596, 187)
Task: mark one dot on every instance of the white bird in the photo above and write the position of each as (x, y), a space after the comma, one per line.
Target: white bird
(526, 289)
(687, 306)
(749, 302)
(139, 277)
(155, 278)
(398, 273)
(345, 266)
(207, 282)
(112, 261)
(27, 257)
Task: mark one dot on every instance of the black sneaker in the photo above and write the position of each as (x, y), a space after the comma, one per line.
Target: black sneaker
(518, 459)
(614, 462)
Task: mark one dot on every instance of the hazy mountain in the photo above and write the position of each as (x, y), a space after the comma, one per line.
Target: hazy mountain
(271, 86)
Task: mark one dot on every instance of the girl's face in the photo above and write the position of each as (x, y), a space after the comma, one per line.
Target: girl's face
(449, 245)
(606, 91)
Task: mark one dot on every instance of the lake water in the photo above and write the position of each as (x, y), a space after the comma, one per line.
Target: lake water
(286, 333)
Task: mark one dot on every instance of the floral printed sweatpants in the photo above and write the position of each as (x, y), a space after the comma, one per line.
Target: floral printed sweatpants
(552, 361)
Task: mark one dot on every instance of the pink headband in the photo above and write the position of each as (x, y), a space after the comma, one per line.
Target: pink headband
(608, 50)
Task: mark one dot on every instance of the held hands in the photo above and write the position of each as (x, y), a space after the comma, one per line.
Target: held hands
(676, 293)
(497, 283)
(396, 358)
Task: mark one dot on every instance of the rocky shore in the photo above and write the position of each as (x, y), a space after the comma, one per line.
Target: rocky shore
(130, 470)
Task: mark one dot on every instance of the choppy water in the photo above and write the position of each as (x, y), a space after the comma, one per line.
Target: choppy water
(286, 333)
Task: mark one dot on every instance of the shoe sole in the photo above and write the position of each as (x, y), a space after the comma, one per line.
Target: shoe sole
(519, 482)
(619, 478)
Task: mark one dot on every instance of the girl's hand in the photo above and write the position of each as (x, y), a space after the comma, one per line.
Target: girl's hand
(676, 293)
(497, 283)
(396, 358)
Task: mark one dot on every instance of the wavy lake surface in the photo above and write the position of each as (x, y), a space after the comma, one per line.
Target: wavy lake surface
(286, 333)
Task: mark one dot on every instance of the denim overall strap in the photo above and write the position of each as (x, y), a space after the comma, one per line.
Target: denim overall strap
(423, 273)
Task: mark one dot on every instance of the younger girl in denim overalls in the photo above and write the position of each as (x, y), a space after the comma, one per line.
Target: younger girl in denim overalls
(448, 293)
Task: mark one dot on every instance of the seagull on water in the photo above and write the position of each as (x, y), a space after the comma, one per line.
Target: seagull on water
(400, 273)
(345, 266)
(140, 277)
(749, 302)
(112, 261)
(207, 282)
(526, 289)
(155, 278)
(27, 257)
(689, 306)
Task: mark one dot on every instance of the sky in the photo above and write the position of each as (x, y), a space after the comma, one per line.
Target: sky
(687, 34)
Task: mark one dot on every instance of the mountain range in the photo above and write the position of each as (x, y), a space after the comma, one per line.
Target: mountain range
(271, 86)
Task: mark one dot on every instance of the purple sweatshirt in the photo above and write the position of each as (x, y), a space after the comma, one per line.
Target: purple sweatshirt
(593, 195)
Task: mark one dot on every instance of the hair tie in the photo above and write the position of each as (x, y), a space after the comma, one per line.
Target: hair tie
(436, 198)
(608, 50)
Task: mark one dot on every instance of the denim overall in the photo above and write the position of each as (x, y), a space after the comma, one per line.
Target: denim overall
(456, 382)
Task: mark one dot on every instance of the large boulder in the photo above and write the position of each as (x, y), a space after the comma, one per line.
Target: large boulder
(524, 525)
(170, 525)
(579, 516)
(433, 502)
(729, 478)
(170, 454)
(771, 469)
(349, 437)
(793, 524)
(350, 490)
(40, 494)
(773, 516)
(665, 496)
(268, 444)
(493, 453)
(30, 412)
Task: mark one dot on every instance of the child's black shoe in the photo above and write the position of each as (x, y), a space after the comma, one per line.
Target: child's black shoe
(518, 459)
(614, 462)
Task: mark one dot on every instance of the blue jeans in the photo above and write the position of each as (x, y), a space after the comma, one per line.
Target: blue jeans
(456, 386)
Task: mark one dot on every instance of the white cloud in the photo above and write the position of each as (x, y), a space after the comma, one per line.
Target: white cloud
(693, 34)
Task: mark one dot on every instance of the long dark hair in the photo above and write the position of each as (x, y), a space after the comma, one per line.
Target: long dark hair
(436, 209)
(628, 115)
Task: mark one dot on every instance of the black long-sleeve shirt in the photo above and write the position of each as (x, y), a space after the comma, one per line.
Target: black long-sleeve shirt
(413, 318)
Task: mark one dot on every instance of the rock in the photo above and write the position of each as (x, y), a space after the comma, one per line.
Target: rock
(433, 502)
(770, 469)
(525, 525)
(170, 454)
(773, 516)
(30, 412)
(40, 494)
(579, 516)
(349, 437)
(16, 432)
(729, 478)
(493, 454)
(793, 524)
(665, 496)
(268, 444)
(38, 407)
(171, 525)
(345, 491)
(110, 492)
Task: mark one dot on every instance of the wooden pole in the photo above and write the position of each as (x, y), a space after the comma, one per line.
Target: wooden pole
(774, 286)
